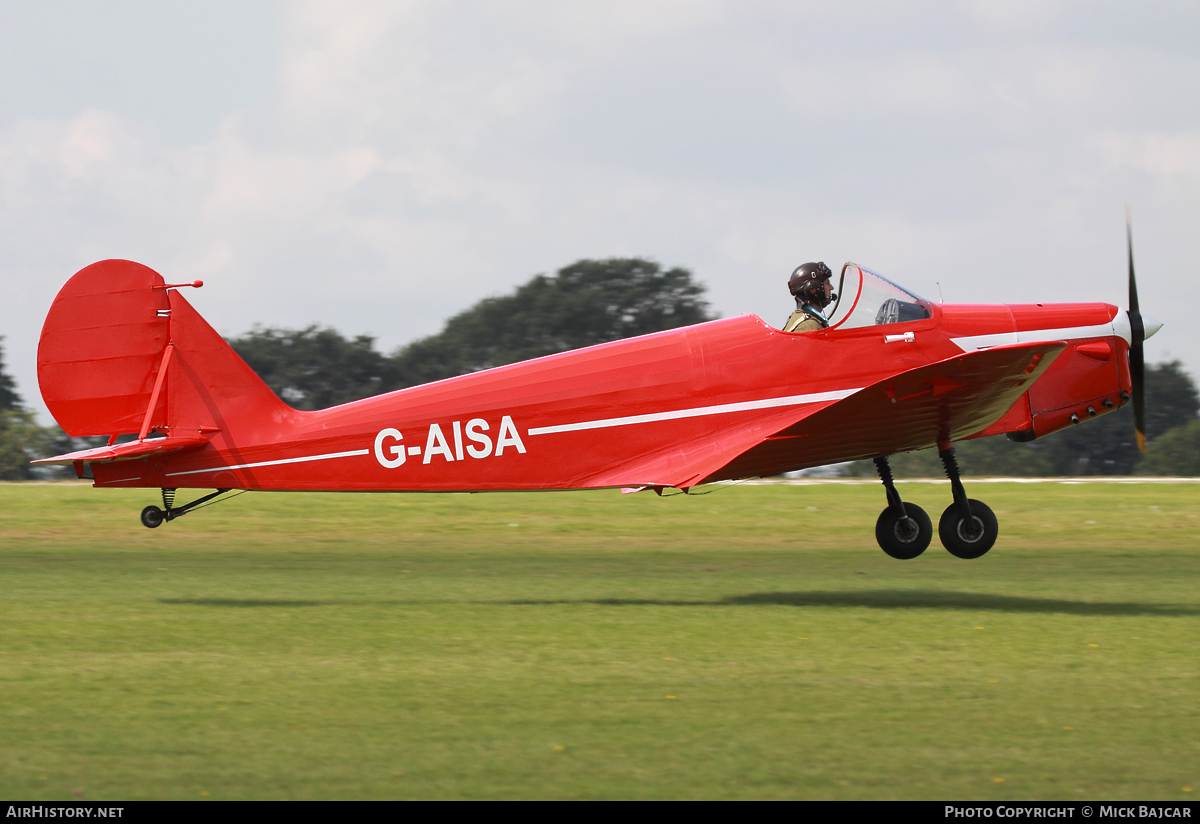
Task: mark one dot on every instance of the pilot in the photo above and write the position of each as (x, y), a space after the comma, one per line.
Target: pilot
(812, 288)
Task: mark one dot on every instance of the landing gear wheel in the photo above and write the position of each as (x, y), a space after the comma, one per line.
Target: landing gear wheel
(152, 516)
(904, 538)
(968, 540)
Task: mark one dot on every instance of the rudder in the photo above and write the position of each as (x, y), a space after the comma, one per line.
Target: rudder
(111, 330)
(101, 346)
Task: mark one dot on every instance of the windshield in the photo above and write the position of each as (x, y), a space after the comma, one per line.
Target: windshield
(868, 299)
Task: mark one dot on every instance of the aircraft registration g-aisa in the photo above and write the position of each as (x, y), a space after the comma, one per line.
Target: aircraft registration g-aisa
(123, 352)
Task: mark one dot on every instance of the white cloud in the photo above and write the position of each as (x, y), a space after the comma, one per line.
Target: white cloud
(417, 156)
(913, 85)
(1162, 154)
(1021, 16)
(279, 185)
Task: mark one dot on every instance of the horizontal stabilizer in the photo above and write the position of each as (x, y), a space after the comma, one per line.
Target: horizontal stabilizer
(130, 450)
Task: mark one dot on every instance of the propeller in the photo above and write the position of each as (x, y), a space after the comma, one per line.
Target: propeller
(1137, 356)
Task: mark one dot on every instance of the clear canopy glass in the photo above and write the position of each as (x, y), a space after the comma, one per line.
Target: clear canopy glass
(868, 299)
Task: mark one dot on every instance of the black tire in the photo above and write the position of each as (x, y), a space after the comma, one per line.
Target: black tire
(152, 516)
(904, 538)
(968, 543)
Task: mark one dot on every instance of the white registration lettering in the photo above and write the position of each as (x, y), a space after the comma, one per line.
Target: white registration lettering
(436, 444)
(473, 433)
(391, 452)
(508, 437)
(458, 455)
(395, 449)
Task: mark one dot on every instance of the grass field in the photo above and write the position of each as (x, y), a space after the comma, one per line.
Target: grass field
(752, 643)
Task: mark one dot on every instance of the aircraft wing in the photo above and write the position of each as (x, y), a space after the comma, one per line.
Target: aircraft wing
(943, 401)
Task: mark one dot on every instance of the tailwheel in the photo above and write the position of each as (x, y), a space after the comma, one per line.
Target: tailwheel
(904, 537)
(968, 538)
(152, 517)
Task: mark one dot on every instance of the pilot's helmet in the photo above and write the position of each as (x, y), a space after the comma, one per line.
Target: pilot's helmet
(807, 283)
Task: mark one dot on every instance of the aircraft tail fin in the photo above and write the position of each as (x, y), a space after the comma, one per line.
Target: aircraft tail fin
(123, 352)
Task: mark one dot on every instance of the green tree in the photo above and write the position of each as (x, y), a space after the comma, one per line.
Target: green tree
(314, 368)
(14, 463)
(588, 302)
(9, 399)
(1107, 445)
(17, 430)
(22, 440)
(591, 301)
(1175, 453)
(996, 456)
(14, 425)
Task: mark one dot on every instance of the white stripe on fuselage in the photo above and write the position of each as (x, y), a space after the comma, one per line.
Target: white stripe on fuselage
(276, 463)
(1118, 326)
(695, 412)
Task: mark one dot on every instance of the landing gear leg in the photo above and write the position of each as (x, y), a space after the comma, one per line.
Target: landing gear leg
(153, 517)
(903, 529)
(968, 528)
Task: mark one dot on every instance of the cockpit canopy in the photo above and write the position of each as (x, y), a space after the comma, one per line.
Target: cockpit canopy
(868, 299)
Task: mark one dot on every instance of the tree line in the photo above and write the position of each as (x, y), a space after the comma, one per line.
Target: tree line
(21, 439)
(588, 302)
(594, 301)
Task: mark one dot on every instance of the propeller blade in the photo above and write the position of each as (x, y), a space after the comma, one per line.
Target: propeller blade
(1133, 295)
(1137, 356)
(1137, 371)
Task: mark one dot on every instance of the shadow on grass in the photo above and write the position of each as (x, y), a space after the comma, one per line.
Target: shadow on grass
(875, 599)
(904, 599)
(241, 602)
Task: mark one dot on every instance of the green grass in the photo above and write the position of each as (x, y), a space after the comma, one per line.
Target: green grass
(752, 643)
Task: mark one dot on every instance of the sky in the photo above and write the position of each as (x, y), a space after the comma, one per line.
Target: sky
(379, 166)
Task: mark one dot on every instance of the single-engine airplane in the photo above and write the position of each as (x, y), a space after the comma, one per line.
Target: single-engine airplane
(122, 351)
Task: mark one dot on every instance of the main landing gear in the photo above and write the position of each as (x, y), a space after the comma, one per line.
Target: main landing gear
(903, 529)
(153, 517)
(967, 528)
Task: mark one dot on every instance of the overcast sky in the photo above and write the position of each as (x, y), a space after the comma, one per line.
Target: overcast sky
(379, 166)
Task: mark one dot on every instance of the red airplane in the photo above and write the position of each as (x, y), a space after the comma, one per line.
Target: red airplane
(123, 352)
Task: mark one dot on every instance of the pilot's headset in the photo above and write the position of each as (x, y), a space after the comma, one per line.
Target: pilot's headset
(807, 284)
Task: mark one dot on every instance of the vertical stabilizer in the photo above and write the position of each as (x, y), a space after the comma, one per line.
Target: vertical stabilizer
(210, 387)
(118, 339)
